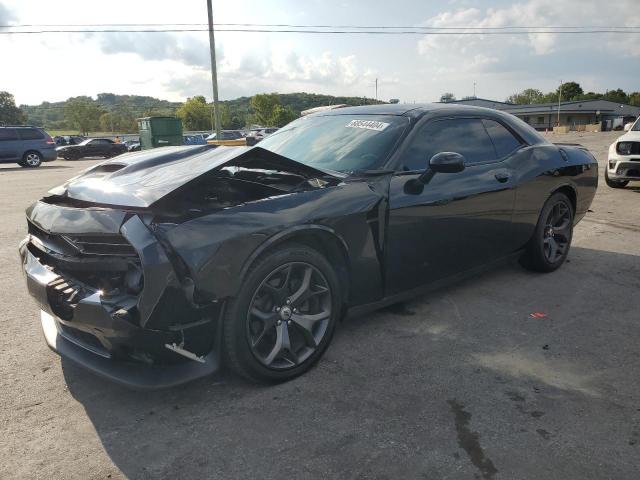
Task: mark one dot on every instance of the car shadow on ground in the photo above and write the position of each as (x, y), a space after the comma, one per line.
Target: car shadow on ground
(39, 169)
(395, 394)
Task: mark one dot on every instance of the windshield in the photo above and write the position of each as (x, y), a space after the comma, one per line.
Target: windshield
(636, 126)
(344, 143)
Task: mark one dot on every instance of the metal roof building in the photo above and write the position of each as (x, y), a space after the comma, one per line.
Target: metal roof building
(579, 112)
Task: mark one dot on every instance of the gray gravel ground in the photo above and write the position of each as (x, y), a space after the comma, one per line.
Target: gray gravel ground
(458, 384)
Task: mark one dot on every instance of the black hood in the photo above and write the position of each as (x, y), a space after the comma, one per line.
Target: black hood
(142, 178)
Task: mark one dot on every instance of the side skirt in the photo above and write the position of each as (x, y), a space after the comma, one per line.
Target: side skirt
(359, 310)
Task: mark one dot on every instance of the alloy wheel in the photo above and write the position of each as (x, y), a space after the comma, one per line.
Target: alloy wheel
(32, 159)
(557, 232)
(288, 315)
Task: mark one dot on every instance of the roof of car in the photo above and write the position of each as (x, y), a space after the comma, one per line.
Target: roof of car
(412, 110)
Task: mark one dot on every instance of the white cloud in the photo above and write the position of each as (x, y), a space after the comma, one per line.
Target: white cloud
(540, 14)
(6, 16)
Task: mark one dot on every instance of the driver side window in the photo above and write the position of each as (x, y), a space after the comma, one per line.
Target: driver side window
(466, 136)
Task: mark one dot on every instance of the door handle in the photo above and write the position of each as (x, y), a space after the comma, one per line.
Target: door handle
(503, 177)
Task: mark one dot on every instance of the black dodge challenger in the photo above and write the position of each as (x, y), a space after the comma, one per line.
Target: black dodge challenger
(92, 147)
(154, 268)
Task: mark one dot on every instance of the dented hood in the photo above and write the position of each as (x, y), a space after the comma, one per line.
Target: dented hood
(139, 179)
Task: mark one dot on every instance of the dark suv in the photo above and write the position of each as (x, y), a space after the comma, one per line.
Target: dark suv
(25, 145)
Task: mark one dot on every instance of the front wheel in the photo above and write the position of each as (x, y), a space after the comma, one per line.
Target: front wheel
(284, 316)
(549, 245)
(31, 160)
(614, 183)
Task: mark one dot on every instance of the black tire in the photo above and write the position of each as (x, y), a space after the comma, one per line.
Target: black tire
(31, 159)
(553, 230)
(22, 164)
(614, 183)
(240, 345)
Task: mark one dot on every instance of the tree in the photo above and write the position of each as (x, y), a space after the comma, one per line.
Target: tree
(82, 113)
(119, 120)
(282, 115)
(9, 112)
(526, 97)
(590, 96)
(634, 99)
(447, 97)
(195, 113)
(264, 106)
(618, 96)
(570, 91)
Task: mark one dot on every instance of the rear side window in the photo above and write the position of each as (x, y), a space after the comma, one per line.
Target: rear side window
(466, 136)
(7, 134)
(504, 141)
(30, 134)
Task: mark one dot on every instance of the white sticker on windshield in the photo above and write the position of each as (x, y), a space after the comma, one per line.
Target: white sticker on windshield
(368, 125)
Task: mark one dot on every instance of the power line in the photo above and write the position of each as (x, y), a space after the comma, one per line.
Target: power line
(335, 32)
(288, 25)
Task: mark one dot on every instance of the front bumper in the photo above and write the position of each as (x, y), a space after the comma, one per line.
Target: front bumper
(122, 337)
(623, 167)
(130, 374)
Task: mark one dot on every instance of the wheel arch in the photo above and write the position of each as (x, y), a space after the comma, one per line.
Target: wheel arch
(31, 150)
(570, 192)
(319, 237)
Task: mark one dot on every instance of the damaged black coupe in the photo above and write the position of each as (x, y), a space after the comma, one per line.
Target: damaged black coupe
(154, 268)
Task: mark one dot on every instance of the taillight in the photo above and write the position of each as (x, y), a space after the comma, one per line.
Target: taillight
(48, 140)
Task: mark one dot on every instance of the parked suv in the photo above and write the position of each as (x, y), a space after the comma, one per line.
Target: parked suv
(25, 145)
(624, 158)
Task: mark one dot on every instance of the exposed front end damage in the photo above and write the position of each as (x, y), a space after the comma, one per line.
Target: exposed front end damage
(111, 299)
(116, 294)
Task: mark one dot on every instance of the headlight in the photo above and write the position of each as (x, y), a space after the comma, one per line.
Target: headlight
(624, 148)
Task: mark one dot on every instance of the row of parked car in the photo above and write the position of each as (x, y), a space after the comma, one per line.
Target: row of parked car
(30, 146)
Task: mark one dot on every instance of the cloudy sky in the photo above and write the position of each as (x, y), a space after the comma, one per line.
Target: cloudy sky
(173, 66)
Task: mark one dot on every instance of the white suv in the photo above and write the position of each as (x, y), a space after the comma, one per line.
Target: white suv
(624, 158)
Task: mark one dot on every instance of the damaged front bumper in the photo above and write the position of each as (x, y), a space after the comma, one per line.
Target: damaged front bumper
(153, 336)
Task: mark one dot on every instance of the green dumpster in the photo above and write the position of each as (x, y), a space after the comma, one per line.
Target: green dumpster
(159, 132)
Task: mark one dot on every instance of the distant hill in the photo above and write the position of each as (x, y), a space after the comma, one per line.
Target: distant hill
(51, 114)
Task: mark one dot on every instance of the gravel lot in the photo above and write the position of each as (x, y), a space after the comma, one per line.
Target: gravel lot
(460, 383)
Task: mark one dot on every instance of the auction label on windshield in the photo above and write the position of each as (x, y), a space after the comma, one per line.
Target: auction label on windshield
(368, 125)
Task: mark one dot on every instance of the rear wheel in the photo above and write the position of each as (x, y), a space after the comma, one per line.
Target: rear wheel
(551, 240)
(614, 183)
(284, 316)
(31, 160)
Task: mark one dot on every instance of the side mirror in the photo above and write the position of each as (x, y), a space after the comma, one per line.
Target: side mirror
(628, 126)
(443, 162)
(447, 162)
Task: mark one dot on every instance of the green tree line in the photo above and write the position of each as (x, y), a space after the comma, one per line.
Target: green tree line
(109, 112)
(569, 91)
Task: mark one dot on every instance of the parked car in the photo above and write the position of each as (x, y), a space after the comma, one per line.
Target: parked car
(92, 147)
(227, 138)
(62, 140)
(623, 165)
(226, 135)
(26, 145)
(154, 268)
(193, 140)
(132, 145)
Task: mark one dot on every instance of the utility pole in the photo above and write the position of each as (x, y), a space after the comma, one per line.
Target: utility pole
(474, 89)
(559, 97)
(214, 71)
(376, 89)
